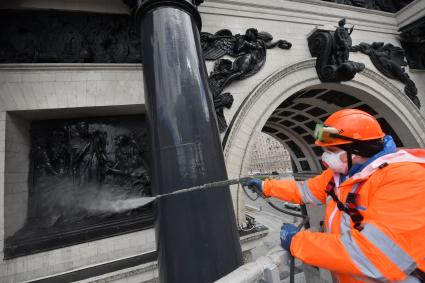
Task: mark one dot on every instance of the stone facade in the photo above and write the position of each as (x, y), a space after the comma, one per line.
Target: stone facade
(268, 156)
(49, 91)
(45, 91)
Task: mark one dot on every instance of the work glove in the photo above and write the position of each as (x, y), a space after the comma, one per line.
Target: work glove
(287, 232)
(256, 186)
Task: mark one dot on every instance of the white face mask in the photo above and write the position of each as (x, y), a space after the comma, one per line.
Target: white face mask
(333, 161)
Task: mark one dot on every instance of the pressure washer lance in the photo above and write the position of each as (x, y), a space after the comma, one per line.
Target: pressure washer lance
(242, 181)
(207, 186)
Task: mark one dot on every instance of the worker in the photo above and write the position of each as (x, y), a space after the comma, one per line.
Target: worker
(375, 204)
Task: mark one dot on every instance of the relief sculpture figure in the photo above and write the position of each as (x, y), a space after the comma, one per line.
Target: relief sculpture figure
(249, 49)
(390, 61)
(332, 50)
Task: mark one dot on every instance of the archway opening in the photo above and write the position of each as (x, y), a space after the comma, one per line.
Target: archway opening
(294, 120)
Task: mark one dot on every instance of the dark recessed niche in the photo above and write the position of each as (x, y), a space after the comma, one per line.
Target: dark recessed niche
(318, 150)
(287, 123)
(367, 109)
(286, 114)
(282, 136)
(386, 127)
(51, 36)
(339, 98)
(287, 103)
(299, 118)
(309, 139)
(300, 106)
(297, 94)
(274, 119)
(311, 125)
(305, 166)
(85, 183)
(316, 111)
(298, 130)
(295, 149)
(269, 130)
(324, 118)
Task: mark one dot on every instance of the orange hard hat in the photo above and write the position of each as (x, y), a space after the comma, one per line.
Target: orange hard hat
(347, 126)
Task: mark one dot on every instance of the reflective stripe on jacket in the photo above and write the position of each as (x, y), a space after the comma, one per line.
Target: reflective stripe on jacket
(392, 202)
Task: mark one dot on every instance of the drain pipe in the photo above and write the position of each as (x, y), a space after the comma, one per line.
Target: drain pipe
(196, 233)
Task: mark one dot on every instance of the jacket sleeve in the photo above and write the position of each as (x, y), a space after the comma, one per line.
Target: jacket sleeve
(311, 191)
(390, 245)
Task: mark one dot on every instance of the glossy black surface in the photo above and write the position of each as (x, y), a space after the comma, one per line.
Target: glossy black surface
(196, 233)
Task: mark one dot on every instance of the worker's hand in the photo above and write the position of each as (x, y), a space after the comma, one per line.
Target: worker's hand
(287, 232)
(256, 186)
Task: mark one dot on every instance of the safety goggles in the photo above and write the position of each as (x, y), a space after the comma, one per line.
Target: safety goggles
(327, 134)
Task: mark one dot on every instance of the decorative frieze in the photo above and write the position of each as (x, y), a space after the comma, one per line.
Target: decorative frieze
(67, 37)
(389, 60)
(391, 6)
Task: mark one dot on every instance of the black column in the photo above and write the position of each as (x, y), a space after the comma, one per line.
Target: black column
(197, 237)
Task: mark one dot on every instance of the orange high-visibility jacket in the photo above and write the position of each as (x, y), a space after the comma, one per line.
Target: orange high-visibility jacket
(392, 202)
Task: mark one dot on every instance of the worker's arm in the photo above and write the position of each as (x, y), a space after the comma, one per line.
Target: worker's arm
(310, 191)
(391, 244)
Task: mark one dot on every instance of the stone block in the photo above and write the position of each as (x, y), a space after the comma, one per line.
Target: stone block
(63, 76)
(11, 268)
(47, 76)
(91, 88)
(7, 100)
(50, 92)
(94, 76)
(29, 96)
(108, 76)
(123, 75)
(82, 94)
(68, 90)
(79, 76)
(12, 77)
(18, 96)
(30, 76)
(59, 100)
(40, 95)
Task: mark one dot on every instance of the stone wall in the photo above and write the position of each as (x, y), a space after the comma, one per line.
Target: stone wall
(29, 92)
(293, 21)
(16, 174)
(45, 91)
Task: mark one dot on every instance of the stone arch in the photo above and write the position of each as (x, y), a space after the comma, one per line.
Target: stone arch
(387, 97)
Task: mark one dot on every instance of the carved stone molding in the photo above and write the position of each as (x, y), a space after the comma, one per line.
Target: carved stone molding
(67, 37)
(391, 6)
(250, 51)
(389, 60)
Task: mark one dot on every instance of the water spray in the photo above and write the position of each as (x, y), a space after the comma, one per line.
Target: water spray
(147, 200)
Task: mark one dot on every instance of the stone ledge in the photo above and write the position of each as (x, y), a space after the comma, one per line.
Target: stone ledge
(69, 66)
